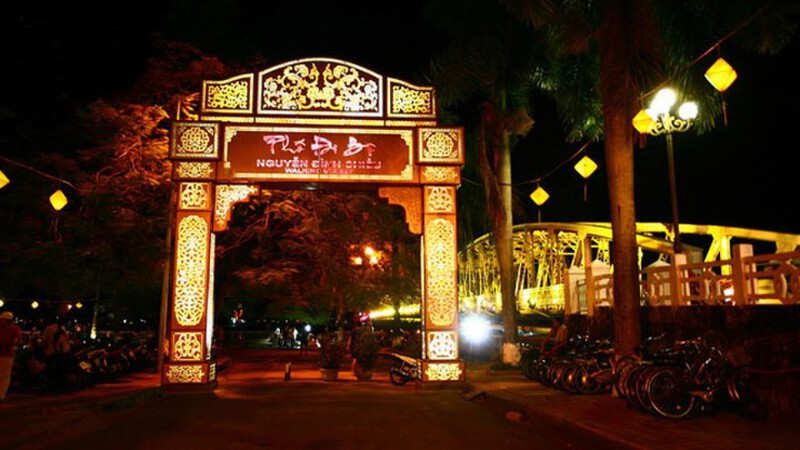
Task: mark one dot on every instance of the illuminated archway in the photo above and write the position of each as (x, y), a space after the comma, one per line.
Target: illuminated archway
(320, 121)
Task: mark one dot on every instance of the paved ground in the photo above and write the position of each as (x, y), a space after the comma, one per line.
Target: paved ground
(598, 421)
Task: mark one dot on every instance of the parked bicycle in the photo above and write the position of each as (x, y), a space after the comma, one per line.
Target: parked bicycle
(692, 377)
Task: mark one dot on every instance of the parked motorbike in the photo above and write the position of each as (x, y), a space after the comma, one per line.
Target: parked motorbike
(404, 369)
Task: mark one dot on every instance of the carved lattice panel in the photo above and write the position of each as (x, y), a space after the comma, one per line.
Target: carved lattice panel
(440, 200)
(194, 373)
(441, 145)
(440, 272)
(442, 345)
(193, 170)
(190, 270)
(407, 100)
(187, 346)
(194, 196)
(194, 140)
(443, 372)
(440, 175)
(227, 196)
(321, 87)
(234, 95)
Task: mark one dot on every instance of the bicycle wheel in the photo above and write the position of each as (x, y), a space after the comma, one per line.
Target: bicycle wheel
(554, 374)
(668, 393)
(397, 378)
(629, 388)
(640, 388)
(621, 370)
(569, 378)
(588, 383)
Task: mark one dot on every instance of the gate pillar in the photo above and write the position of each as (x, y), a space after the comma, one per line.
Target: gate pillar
(440, 358)
(189, 321)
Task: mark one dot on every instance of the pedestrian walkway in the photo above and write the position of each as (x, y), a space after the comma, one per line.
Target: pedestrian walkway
(109, 395)
(596, 418)
(620, 426)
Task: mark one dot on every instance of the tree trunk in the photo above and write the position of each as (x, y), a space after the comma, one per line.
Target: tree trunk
(503, 225)
(495, 161)
(619, 105)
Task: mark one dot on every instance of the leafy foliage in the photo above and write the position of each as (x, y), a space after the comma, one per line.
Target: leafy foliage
(331, 351)
(366, 348)
(292, 248)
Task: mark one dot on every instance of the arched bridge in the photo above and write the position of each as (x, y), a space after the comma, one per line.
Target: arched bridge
(544, 251)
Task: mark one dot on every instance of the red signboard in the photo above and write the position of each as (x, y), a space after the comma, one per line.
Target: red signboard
(294, 153)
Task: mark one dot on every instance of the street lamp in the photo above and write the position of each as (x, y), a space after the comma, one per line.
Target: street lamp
(663, 122)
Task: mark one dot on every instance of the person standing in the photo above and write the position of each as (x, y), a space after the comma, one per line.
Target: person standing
(238, 321)
(557, 338)
(10, 339)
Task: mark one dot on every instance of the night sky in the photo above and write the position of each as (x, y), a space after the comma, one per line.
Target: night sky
(740, 175)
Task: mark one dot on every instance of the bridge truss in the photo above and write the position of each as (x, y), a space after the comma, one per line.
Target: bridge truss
(544, 251)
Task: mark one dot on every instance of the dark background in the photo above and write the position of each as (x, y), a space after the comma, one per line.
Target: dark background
(55, 56)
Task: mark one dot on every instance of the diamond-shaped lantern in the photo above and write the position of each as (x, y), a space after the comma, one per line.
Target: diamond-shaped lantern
(58, 200)
(642, 122)
(721, 75)
(585, 167)
(3, 180)
(539, 196)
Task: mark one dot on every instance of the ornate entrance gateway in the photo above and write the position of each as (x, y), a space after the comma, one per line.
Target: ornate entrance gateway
(311, 123)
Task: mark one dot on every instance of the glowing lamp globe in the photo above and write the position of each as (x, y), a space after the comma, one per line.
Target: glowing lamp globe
(3, 180)
(539, 196)
(662, 102)
(721, 75)
(58, 200)
(688, 111)
(585, 167)
(642, 122)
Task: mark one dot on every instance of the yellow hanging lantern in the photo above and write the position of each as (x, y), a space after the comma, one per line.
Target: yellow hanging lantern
(3, 180)
(539, 196)
(585, 167)
(58, 200)
(34, 304)
(642, 122)
(721, 75)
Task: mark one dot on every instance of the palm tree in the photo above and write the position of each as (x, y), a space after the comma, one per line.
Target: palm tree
(483, 74)
(618, 50)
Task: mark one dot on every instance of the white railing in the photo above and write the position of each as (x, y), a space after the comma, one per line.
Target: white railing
(745, 279)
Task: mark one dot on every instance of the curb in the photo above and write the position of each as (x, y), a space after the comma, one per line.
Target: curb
(517, 410)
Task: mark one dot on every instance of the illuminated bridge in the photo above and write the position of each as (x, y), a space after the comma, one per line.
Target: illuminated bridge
(545, 254)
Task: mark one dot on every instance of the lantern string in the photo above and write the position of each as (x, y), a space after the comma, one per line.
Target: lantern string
(557, 167)
(33, 169)
(716, 46)
(642, 138)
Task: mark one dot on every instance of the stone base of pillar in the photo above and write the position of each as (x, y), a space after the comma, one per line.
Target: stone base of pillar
(443, 372)
(189, 377)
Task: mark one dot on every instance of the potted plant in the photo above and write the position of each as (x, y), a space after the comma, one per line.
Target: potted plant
(331, 353)
(365, 354)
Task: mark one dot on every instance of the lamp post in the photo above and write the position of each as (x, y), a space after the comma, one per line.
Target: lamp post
(665, 123)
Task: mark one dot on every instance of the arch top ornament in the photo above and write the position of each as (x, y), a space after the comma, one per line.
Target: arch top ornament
(321, 87)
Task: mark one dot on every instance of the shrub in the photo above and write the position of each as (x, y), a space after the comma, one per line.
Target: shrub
(331, 351)
(366, 348)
